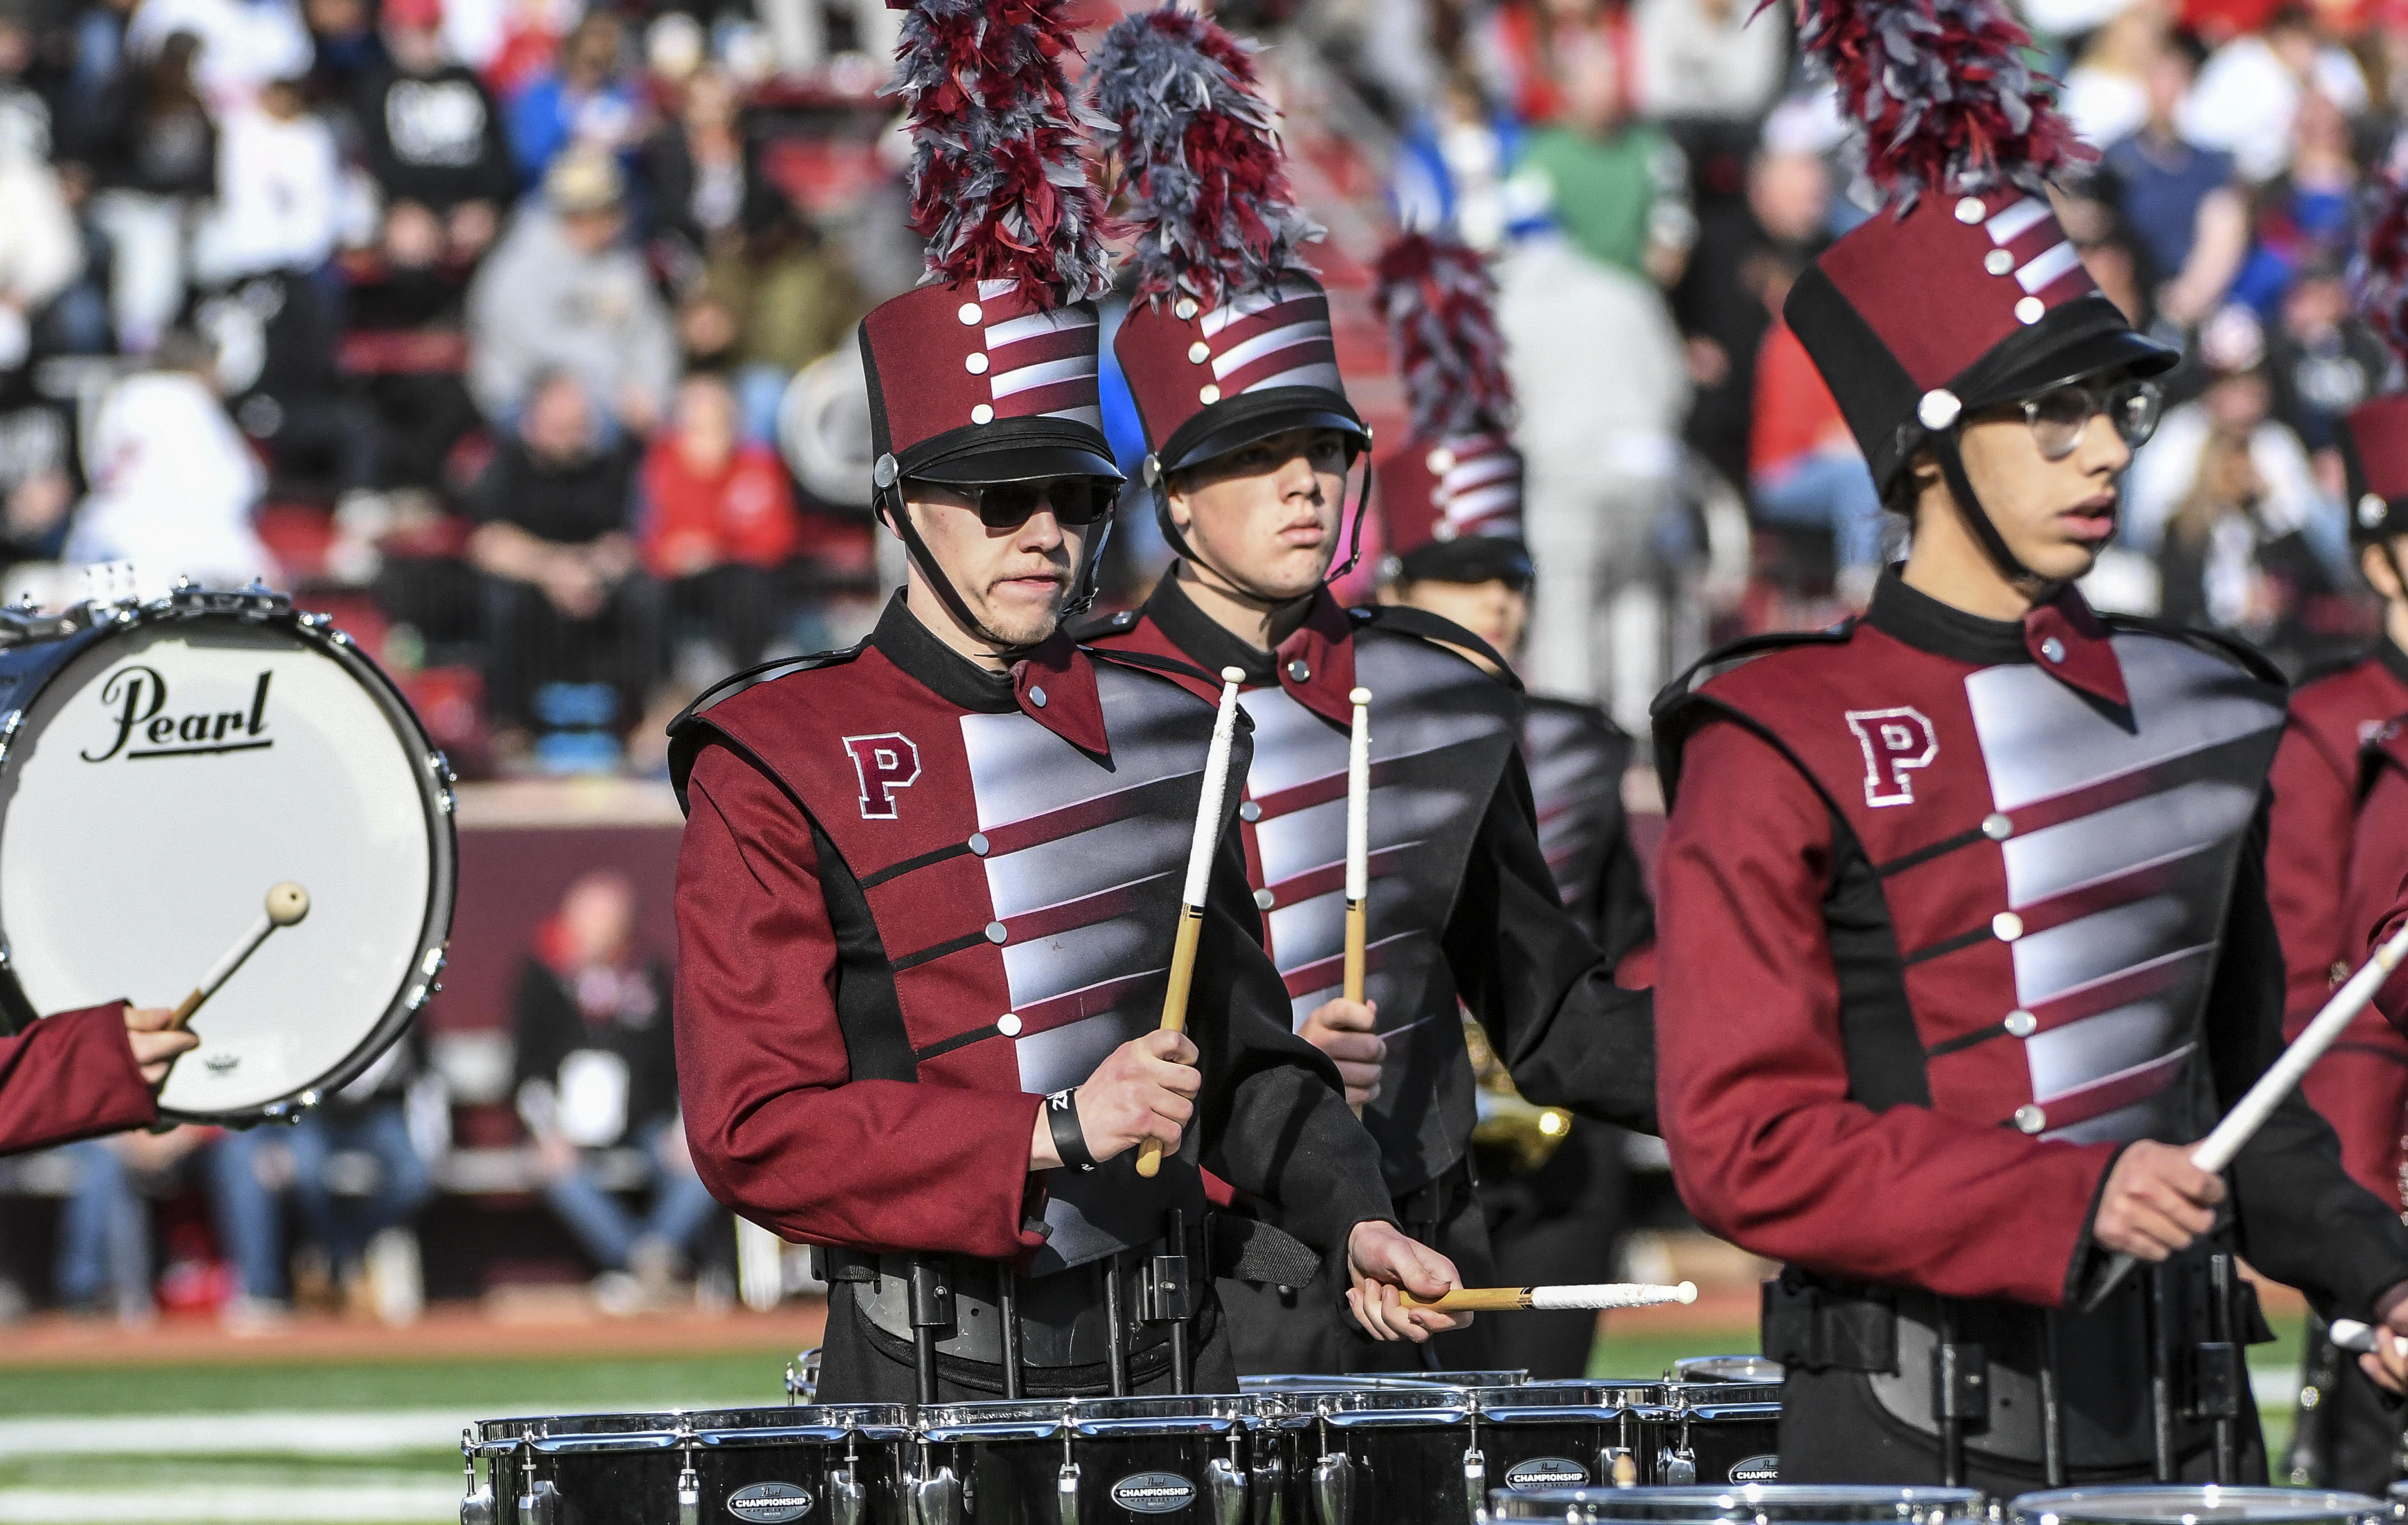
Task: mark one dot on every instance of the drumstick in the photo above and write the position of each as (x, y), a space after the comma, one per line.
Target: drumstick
(1199, 873)
(287, 904)
(2238, 1127)
(1607, 1294)
(1358, 843)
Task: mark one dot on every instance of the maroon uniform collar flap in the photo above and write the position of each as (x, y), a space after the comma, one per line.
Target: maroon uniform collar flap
(2073, 645)
(1056, 688)
(1316, 663)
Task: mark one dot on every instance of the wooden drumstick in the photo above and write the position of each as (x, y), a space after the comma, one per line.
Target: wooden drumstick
(1358, 844)
(1611, 1294)
(287, 904)
(1199, 873)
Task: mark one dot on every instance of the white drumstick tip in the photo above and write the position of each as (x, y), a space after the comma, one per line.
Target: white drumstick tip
(1359, 696)
(287, 904)
(1233, 675)
(1689, 1290)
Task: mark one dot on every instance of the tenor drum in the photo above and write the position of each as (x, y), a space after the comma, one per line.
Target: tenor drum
(162, 766)
(835, 1465)
(1754, 1506)
(2162, 1505)
(1717, 1435)
(1184, 1458)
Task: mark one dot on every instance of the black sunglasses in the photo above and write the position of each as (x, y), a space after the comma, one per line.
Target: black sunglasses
(1075, 500)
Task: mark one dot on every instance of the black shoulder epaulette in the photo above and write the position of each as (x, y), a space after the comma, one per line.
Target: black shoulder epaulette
(1737, 654)
(1093, 626)
(2242, 654)
(1149, 661)
(1406, 620)
(736, 683)
(2332, 667)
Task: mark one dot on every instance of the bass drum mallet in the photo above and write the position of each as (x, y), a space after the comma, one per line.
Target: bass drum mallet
(287, 904)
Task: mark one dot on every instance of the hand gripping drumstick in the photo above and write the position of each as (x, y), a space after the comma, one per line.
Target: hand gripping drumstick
(1199, 872)
(2238, 1127)
(1358, 843)
(1608, 1294)
(287, 904)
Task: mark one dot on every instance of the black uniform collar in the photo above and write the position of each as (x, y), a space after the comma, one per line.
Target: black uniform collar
(1204, 639)
(904, 640)
(2394, 660)
(2063, 637)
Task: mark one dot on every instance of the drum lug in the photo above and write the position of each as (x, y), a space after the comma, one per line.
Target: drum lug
(1677, 1467)
(476, 1500)
(1271, 1485)
(1475, 1484)
(541, 1504)
(1226, 1486)
(689, 1484)
(1333, 1489)
(937, 1499)
(1065, 1493)
(848, 1500)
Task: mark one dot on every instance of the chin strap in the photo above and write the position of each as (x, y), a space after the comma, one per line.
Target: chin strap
(1970, 510)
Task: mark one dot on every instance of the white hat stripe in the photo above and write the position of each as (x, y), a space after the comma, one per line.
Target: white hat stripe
(1007, 382)
(1092, 414)
(1479, 469)
(1037, 325)
(1265, 345)
(2047, 267)
(1253, 303)
(1322, 374)
(1503, 497)
(2012, 222)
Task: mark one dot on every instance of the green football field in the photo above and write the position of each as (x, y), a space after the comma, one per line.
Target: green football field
(375, 1443)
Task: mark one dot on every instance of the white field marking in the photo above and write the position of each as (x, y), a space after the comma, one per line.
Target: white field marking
(382, 1504)
(263, 1432)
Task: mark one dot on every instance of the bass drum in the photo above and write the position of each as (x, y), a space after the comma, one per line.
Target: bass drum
(164, 765)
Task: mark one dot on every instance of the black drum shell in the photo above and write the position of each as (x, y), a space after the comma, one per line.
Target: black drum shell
(1009, 1455)
(624, 1469)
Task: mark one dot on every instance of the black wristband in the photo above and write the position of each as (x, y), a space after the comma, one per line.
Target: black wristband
(1062, 1120)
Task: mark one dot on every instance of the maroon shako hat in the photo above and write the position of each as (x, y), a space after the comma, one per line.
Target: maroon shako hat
(1228, 338)
(1965, 293)
(1451, 496)
(2374, 436)
(987, 371)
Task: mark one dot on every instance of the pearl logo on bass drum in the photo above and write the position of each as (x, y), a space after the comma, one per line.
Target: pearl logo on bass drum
(136, 699)
(770, 1503)
(1154, 1493)
(1756, 1469)
(1545, 1471)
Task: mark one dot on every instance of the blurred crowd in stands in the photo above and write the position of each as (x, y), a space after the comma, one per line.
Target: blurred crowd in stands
(517, 333)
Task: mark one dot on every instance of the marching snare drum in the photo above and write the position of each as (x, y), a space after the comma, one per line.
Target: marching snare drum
(162, 766)
(2158, 1504)
(1753, 1506)
(1035, 1460)
(1759, 1370)
(1717, 1434)
(835, 1465)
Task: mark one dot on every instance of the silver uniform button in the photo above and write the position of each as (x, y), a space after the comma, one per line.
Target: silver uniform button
(2021, 1024)
(1008, 1025)
(2006, 927)
(2030, 1118)
(1125, 617)
(994, 931)
(1037, 697)
(1969, 210)
(1996, 826)
(2030, 310)
(1300, 670)
(978, 843)
(1998, 262)
(1248, 811)
(2052, 649)
(1264, 899)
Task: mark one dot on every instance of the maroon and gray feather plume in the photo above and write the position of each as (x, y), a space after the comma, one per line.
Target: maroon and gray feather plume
(1199, 158)
(999, 187)
(1944, 89)
(1439, 301)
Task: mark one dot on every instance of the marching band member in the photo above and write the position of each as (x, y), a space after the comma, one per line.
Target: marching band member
(1551, 1188)
(78, 1074)
(928, 886)
(1964, 926)
(1229, 354)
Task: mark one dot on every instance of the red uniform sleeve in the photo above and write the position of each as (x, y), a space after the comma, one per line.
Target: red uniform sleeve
(1767, 1149)
(2360, 1085)
(778, 1130)
(71, 1077)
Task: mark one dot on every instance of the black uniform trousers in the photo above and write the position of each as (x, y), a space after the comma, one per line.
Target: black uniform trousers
(857, 1366)
(2348, 1433)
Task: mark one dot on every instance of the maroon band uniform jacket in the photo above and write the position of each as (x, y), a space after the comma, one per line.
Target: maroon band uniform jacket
(1952, 909)
(913, 899)
(71, 1077)
(2312, 874)
(1462, 903)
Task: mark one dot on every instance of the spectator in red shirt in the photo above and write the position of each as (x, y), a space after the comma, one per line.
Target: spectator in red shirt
(1804, 469)
(719, 521)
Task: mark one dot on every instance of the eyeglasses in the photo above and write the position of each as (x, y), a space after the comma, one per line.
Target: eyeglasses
(2059, 416)
(1075, 500)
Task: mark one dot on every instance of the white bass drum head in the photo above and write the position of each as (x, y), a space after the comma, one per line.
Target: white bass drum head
(167, 776)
